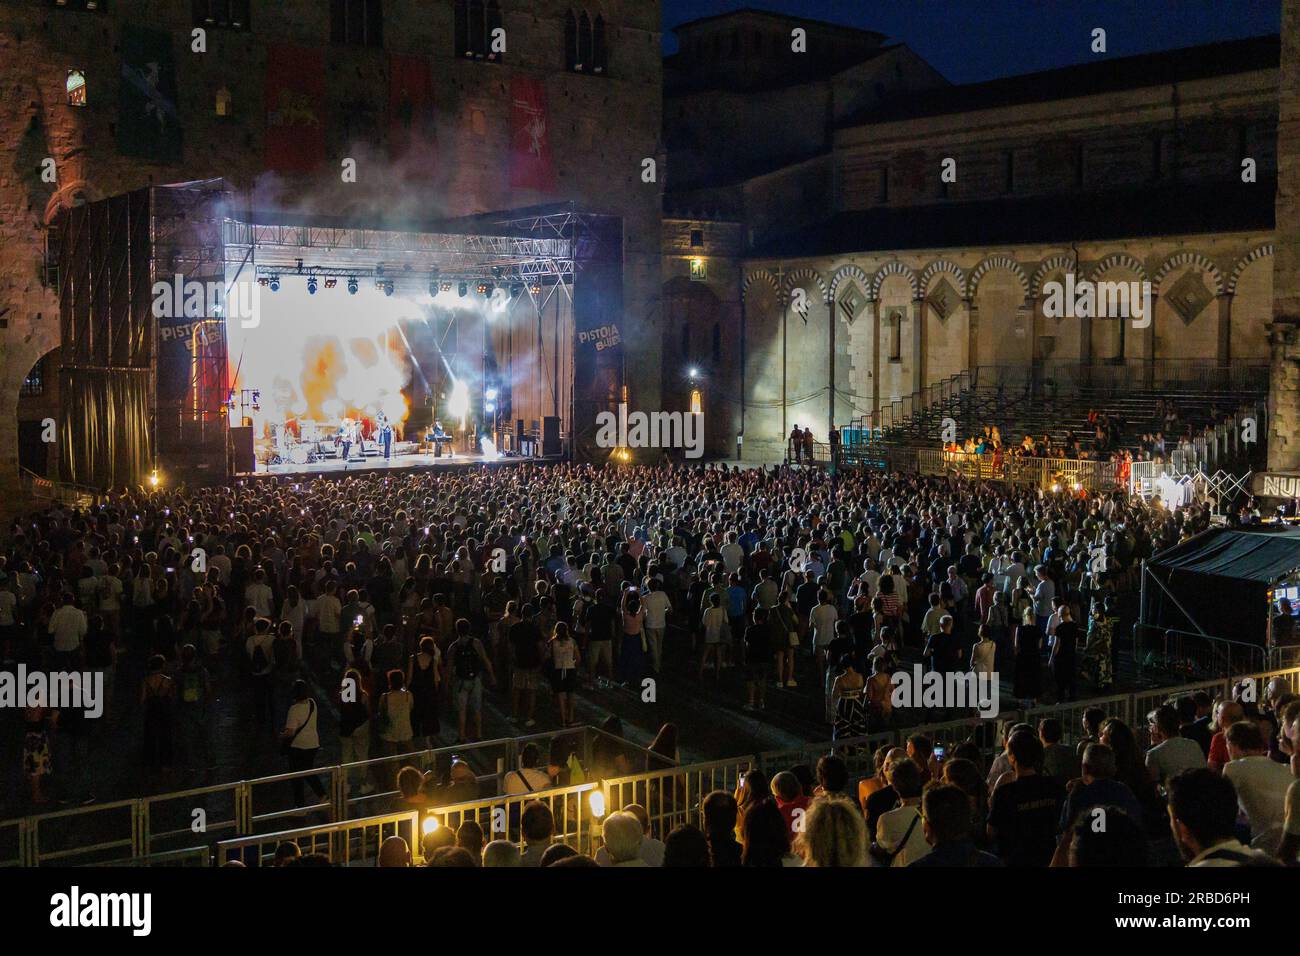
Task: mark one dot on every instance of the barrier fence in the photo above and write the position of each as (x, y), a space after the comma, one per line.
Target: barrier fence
(671, 794)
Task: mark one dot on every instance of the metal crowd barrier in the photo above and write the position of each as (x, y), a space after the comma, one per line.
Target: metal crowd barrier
(671, 795)
(346, 843)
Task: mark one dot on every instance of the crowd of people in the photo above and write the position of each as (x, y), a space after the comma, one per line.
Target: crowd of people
(1218, 787)
(397, 602)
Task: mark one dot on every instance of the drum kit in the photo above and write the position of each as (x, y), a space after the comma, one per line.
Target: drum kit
(299, 443)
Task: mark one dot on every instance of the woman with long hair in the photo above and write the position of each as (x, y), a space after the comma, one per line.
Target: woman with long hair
(632, 662)
(423, 676)
(753, 787)
(564, 656)
(834, 834)
(765, 836)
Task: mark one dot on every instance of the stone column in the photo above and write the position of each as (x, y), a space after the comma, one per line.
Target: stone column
(1224, 354)
(873, 316)
(1284, 377)
(918, 344)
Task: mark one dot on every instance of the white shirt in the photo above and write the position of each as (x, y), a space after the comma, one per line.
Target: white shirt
(1174, 755)
(732, 556)
(656, 606)
(1261, 785)
(258, 596)
(893, 826)
(822, 619)
(328, 608)
(110, 593)
(68, 625)
(303, 713)
(537, 780)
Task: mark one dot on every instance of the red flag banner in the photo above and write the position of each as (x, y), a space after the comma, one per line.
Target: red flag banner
(411, 129)
(295, 109)
(531, 166)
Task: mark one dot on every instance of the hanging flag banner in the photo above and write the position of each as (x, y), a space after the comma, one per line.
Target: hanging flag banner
(412, 138)
(295, 113)
(531, 165)
(148, 121)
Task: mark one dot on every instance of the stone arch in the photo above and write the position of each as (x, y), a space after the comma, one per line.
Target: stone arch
(1179, 259)
(1118, 260)
(997, 262)
(762, 276)
(798, 279)
(942, 265)
(894, 267)
(1046, 268)
(1259, 252)
(66, 197)
(849, 272)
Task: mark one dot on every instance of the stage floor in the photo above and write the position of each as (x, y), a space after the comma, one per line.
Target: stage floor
(333, 466)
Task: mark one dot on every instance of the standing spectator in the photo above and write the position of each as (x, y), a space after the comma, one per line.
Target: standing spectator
(68, 627)
(1261, 784)
(300, 740)
(1024, 811)
(1203, 816)
(1170, 751)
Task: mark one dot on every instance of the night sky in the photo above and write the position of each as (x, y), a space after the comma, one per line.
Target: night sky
(972, 40)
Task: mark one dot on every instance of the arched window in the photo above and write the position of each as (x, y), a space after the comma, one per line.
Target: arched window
(584, 44)
(599, 51)
(76, 87)
(570, 41)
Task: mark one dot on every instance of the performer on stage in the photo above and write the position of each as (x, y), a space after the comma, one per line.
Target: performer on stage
(385, 435)
(438, 436)
(345, 438)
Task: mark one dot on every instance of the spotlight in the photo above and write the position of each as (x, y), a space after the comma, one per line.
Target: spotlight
(485, 288)
(694, 373)
(535, 288)
(352, 286)
(154, 478)
(516, 290)
(331, 283)
(489, 408)
(444, 286)
(463, 289)
(490, 394)
(275, 283)
(263, 281)
(311, 286)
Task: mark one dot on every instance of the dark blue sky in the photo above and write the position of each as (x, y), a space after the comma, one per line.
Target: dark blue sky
(972, 40)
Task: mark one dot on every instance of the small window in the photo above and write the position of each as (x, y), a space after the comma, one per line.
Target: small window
(896, 336)
(697, 402)
(34, 384)
(223, 102)
(585, 46)
(697, 238)
(475, 23)
(76, 86)
(357, 22)
(225, 14)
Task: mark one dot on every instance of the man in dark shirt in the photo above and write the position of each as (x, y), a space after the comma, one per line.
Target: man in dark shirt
(1024, 813)
(1192, 724)
(886, 798)
(947, 816)
(1099, 789)
(526, 664)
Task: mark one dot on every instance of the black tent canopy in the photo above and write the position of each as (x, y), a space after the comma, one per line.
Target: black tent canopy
(1218, 582)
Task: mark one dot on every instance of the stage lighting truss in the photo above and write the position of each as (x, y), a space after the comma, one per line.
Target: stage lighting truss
(430, 282)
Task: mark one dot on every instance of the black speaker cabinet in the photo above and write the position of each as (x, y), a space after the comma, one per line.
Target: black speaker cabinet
(241, 441)
(550, 436)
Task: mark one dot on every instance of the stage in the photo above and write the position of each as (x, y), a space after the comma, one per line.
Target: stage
(373, 463)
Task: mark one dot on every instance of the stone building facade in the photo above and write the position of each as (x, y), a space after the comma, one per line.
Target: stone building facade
(604, 121)
(867, 274)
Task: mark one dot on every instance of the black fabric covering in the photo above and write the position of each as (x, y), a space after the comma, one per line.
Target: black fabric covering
(1222, 578)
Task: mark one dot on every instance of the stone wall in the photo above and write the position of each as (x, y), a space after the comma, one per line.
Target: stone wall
(1284, 384)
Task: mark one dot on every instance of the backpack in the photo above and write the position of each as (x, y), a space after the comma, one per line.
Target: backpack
(465, 661)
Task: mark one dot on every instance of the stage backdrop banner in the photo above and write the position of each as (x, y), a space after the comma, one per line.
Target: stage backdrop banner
(295, 109)
(412, 139)
(148, 121)
(531, 164)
